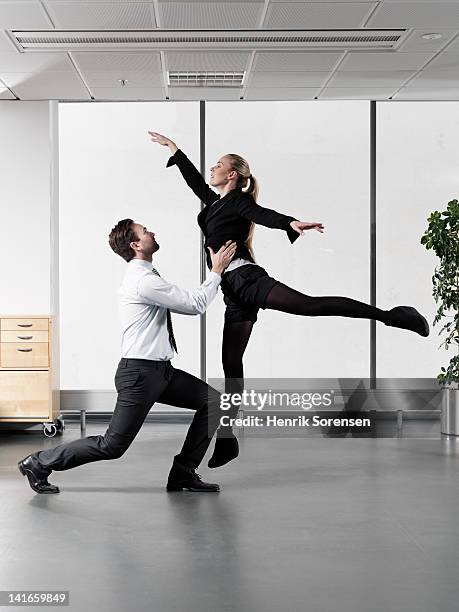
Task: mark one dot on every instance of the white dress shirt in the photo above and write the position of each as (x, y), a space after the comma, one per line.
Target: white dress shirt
(239, 261)
(144, 299)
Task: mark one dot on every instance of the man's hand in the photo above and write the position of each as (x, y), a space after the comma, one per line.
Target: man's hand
(163, 140)
(300, 226)
(222, 258)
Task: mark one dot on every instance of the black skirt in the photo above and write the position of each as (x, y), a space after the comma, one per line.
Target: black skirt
(245, 290)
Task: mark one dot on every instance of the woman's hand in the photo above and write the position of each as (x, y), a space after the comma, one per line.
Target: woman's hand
(221, 259)
(300, 226)
(163, 140)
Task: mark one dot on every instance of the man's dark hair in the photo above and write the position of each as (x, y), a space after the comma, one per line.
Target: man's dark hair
(120, 238)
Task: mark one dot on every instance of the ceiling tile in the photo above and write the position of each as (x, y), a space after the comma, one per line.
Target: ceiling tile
(415, 15)
(17, 15)
(46, 85)
(210, 15)
(453, 48)
(317, 15)
(428, 93)
(416, 43)
(333, 1)
(103, 15)
(437, 77)
(5, 94)
(287, 79)
(34, 62)
(116, 61)
(193, 2)
(296, 60)
(356, 93)
(384, 60)
(378, 78)
(279, 93)
(95, 1)
(445, 60)
(6, 46)
(204, 93)
(132, 93)
(97, 80)
(105, 70)
(194, 60)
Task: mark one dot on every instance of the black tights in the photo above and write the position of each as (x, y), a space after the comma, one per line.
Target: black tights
(235, 339)
(281, 297)
(289, 300)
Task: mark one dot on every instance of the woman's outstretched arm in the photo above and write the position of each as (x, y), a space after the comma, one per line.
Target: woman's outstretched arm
(249, 209)
(189, 172)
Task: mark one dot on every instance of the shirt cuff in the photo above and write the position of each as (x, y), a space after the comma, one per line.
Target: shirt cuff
(291, 233)
(214, 276)
(173, 158)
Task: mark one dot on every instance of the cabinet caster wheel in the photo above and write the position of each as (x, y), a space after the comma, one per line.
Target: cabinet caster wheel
(49, 430)
(60, 425)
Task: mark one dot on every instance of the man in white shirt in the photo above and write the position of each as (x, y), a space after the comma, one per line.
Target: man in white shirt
(145, 374)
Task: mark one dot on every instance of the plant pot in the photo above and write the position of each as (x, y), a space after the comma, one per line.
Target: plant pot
(450, 411)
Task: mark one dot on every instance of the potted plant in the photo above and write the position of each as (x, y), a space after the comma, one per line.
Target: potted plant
(442, 235)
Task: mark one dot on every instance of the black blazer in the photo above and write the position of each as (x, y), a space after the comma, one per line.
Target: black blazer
(229, 217)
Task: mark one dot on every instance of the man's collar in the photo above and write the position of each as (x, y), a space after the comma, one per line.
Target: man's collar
(141, 263)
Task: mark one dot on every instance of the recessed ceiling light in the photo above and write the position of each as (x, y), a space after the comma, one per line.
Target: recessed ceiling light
(165, 40)
(431, 36)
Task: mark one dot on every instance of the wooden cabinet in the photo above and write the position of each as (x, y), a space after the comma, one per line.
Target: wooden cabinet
(29, 377)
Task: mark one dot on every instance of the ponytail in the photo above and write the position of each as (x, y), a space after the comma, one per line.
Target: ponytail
(253, 191)
(249, 184)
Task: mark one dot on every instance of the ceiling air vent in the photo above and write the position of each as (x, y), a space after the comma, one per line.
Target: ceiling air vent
(113, 40)
(204, 79)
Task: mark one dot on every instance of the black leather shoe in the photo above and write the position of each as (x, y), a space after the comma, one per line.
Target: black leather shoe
(36, 475)
(409, 318)
(226, 449)
(182, 477)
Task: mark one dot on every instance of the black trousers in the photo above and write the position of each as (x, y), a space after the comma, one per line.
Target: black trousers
(140, 383)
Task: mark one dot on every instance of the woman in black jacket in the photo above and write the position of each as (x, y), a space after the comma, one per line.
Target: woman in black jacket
(232, 214)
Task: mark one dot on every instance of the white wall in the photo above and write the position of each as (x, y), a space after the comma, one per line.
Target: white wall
(110, 170)
(25, 202)
(312, 162)
(417, 166)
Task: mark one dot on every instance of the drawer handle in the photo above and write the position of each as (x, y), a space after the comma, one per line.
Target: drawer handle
(27, 350)
(24, 337)
(25, 324)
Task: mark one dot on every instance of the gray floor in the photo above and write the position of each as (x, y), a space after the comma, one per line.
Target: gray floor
(323, 525)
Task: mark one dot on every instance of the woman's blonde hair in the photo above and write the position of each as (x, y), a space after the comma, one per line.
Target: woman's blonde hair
(249, 184)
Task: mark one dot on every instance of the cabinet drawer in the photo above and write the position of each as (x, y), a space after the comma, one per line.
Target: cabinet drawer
(24, 336)
(22, 355)
(24, 394)
(24, 324)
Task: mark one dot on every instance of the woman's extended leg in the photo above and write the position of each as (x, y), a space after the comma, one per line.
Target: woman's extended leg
(284, 298)
(235, 338)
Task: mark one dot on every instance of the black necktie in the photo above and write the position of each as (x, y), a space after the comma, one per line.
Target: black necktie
(169, 320)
